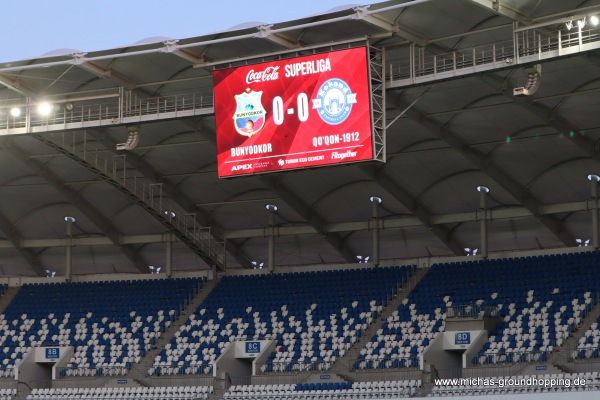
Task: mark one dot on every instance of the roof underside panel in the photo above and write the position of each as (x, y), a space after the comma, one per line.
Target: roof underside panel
(448, 132)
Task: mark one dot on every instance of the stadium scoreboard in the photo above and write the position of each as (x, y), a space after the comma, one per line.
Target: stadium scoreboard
(295, 113)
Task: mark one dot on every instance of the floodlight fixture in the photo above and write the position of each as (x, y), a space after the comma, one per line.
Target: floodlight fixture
(534, 77)
(582, 242)
(271, 207)
(362, 259)
(471, 252)
(594, 20)
(50, 273)
(170, 214)
(154, 270)
(258, 265)
(44, 108)
(133, 138)
(15, 112)
(593, 177)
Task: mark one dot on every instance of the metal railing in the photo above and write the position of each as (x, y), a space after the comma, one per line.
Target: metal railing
(414, 64)
(527, 46)
(474, 311)
(114, 169)
(397, 363)
(166, 369)
(116, 109)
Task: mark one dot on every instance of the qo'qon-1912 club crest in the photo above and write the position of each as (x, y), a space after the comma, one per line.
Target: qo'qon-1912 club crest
(334, 101)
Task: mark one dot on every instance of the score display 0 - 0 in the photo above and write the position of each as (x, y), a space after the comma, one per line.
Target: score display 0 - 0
(286, 114)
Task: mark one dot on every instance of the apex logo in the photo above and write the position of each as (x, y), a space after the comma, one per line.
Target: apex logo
(241, 167)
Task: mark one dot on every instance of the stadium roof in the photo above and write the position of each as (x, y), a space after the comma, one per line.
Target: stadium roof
(453, 124)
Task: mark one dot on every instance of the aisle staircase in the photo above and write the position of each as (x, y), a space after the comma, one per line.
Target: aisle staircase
(140, 370)
(343, 364)
(179, 222)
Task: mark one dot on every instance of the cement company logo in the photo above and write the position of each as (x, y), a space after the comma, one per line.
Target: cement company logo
(334, 101)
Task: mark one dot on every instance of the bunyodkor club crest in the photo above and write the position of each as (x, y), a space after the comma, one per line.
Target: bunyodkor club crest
(334, 101)
(249, 117)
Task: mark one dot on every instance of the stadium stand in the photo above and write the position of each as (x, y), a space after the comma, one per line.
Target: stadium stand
(126, 393)
(332, 390)
(589, 343)
(110, 324)
(315, 317)
(436, 119)
(7, 393)
(540, 300)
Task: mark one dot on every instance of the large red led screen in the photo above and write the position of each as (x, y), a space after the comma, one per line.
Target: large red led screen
(296, 113)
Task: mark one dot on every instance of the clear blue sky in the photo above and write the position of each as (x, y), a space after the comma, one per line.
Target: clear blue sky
(31, 29)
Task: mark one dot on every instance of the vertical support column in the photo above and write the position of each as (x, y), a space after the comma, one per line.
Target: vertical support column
(69, 255)
(378, 93)
(375, 231)
(594, 191)
(271, 209)
(28, 115)
(483, 192)
(169, 255)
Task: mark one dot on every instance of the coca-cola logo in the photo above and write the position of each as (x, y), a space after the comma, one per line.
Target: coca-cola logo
(269, 74)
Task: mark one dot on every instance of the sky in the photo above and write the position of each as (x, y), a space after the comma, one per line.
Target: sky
(31, 29)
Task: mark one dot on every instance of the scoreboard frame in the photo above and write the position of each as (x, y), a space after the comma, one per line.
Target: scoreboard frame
(300, 112)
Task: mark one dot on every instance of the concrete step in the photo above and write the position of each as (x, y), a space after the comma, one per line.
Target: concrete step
(343, 364)
(140, 370)
(561, 356)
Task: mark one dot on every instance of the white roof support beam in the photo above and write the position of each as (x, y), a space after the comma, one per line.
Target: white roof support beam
(172, 191)
(267, 33)
(17, 86)
(172, 47)
(308, 214)
(80, 60)
(417, 208)
(451, 137)
(546, 115)
(496, 214)
(86, 208)
(362, 13)
(14, 238)
(499, 7)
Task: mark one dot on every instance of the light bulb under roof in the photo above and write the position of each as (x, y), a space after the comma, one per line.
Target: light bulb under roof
(593, 177)
(69, 219)
(257, 265)
(375, 199)
(594, 20)
(15, 112)
(271, 207)
(483, 189)
(44, 108)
